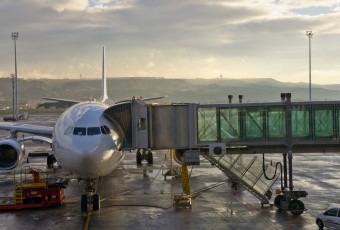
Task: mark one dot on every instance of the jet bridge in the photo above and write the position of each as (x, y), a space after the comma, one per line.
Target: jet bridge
(246, 128)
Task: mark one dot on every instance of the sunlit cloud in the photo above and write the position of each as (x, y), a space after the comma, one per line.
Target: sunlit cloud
(235, 38)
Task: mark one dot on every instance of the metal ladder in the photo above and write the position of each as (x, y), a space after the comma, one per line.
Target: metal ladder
(247, 170)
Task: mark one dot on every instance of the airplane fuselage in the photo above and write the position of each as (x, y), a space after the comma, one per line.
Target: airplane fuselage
(84, 141)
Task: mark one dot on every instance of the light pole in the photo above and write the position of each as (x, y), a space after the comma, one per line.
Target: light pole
(13, 91)
(15, 36)
(309, 34)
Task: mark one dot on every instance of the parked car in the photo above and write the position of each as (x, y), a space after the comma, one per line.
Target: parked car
(329, 219)
(10, 118)
(22, 116)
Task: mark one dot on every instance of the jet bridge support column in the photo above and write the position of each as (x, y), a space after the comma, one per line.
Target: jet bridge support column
(288, 199)
(289, 139)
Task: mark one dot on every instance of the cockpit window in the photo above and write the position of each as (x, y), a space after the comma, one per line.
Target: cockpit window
(80, 131)
(105, 130)
(69, 130)
(93, 131)
(89, 131)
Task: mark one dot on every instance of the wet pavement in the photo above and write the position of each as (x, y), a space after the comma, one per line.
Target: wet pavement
(140, 197)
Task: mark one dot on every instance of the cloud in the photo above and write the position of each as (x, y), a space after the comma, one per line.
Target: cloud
(63, 5)
(192, 38)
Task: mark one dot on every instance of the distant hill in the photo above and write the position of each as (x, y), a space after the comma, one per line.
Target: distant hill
(177, 90)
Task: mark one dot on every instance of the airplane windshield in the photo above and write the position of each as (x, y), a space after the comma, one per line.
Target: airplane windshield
(89, 131)
(105, 130)
(93, 131)
(80, 131)
(69, 130)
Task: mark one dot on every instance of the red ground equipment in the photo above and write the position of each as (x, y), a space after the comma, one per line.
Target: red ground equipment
(36, 194)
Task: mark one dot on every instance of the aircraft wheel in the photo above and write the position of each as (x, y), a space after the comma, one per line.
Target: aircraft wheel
(139, 157)
(150, 158)
(277, 201)
(96, 202)
(83, 202)
(296, 207)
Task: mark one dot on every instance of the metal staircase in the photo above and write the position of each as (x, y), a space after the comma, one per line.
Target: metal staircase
(18, 196)
(247, 170)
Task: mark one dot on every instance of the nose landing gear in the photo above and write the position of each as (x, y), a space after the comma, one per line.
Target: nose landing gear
(90, 197)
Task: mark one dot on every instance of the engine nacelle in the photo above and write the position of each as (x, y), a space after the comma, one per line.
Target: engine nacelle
(11, 153)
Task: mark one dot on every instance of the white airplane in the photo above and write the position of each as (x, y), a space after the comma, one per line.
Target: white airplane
(83, 141)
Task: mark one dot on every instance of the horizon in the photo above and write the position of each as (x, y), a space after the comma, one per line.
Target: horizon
(171, 78)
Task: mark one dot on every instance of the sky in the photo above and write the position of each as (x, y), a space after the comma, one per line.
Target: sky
(172, 39)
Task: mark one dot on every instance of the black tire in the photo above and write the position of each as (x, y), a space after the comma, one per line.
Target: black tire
(277, 201)
(150, 158)
(320, 224)
(83, 203)
(139, 158)
(234, 185)
(296, 207)
(96, 202)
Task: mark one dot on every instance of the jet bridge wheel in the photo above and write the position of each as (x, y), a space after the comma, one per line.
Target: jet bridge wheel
(296, 207)
(83, 203)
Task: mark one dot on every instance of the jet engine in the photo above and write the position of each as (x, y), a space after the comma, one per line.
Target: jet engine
(11, 153)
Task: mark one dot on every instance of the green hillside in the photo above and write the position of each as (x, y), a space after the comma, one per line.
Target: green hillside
(177, 90)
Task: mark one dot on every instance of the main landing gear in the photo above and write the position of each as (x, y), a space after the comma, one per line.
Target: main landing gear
(90, 197)
(142, 154)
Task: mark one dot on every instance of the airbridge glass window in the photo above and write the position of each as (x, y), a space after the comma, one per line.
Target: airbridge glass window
(93, 131)
(80, 131)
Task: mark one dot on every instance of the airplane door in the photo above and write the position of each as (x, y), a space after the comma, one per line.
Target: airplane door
(140, 125)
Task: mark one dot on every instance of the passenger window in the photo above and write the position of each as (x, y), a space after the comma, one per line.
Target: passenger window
(79, 131)
(331, 212)
(339, 213)
(105, 130)
(93, 131)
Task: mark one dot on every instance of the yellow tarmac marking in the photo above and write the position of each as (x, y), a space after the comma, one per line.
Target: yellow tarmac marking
(88, 217)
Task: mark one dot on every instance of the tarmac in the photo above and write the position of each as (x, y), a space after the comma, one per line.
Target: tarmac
(140, 197)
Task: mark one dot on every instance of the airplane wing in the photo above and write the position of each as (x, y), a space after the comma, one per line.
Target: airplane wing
(153, 98)
(45, 131)
(60, 100)
(142, 99)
